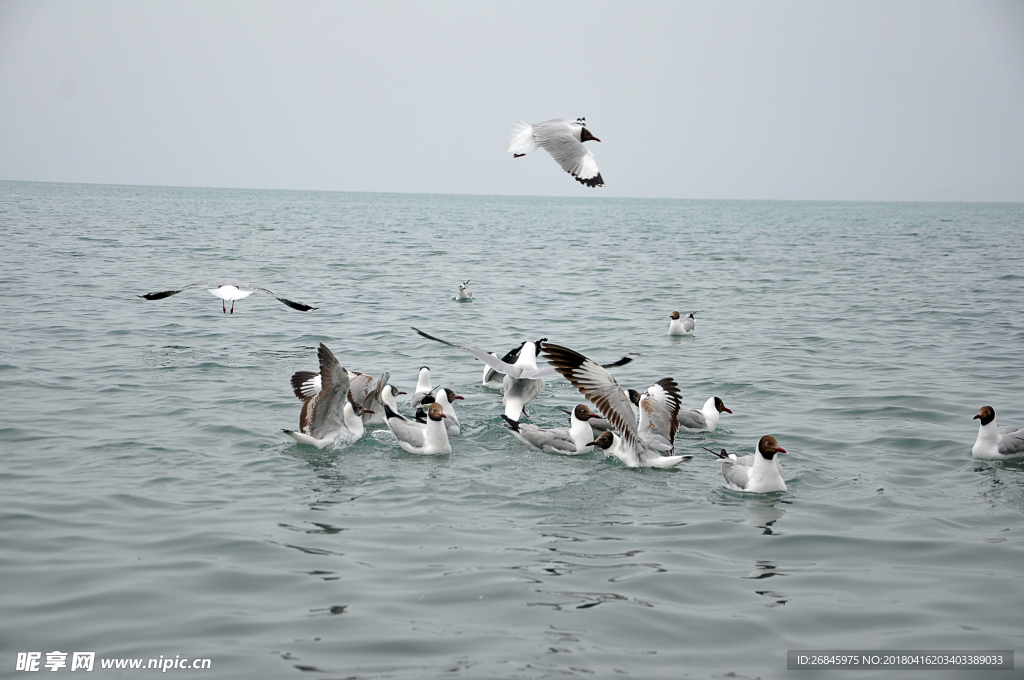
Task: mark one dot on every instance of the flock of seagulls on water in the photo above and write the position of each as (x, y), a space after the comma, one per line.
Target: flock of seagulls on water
(638, 429)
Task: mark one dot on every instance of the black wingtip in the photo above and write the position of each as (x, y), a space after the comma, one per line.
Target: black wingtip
(389, 414)
(592, 182)
(723, 454)
(160, 295)
(512, 424)
(621, 362)
(296, 305)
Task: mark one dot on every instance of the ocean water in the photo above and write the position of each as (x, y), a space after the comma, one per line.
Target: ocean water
(150, 505)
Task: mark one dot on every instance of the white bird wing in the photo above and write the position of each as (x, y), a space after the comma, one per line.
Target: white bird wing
(328, 413)
(691, 419)
(488, 358)
(557, 439)
(737, 475)
(407, 431)
(688, 325)
(659, 407)
(1011, 440)
(556, 137)
(520, 139)
(360, 388)
(598, 386)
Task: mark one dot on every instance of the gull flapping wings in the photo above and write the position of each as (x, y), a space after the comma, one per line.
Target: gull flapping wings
(514, 370)
(598, 386)
(327, 414)
(563, 139)
(160, 295)
(653, 435)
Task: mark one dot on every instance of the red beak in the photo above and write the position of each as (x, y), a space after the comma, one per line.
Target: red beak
(779, 449)
(728, 410)
(458, 397)
(976, 417)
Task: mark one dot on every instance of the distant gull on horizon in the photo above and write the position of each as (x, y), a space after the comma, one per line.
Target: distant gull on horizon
(228, 289)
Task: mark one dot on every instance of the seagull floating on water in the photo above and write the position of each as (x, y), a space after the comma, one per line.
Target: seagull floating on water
(423, 387)
(570, 441)
(996, 443)
(563, 139)
(425, 439)
(446, 398)
(327, 415)
(679, 326)
(464, 294)
(757, 473)
(647, 443)
(229, 289)
(704, 420)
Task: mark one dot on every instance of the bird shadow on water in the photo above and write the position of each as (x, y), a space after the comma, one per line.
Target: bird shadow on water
(763, 510)
(1005, 483)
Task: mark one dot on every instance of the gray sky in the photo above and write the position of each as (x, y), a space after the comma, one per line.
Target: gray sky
(750, 100)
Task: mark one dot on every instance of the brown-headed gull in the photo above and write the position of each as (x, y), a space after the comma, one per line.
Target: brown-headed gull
(426, 439)
(446, 398)
(229, 289)
(328, 414)
(563, 139)
(463, 294)
(704, 420)
(678, 326)
(570, 441)
(996, 443)
(647, 443)
(757, 473)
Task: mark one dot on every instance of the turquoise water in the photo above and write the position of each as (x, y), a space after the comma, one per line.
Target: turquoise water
(150, 505)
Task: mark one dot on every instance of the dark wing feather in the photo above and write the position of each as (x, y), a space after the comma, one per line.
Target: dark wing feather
(597, 385)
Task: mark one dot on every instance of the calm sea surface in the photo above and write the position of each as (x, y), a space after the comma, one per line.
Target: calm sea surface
(151, 506)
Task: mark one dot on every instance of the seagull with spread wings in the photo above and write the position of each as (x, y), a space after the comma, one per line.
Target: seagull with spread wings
(229, 289)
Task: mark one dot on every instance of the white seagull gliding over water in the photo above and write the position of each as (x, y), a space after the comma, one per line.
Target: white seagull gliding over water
(229, 289)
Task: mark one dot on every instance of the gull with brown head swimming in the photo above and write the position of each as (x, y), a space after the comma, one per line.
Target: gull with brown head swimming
(996, 443)
(680, 326)
(446, 398)
(757, 473)
(425, 439)
(704, 420)
(569, 441)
